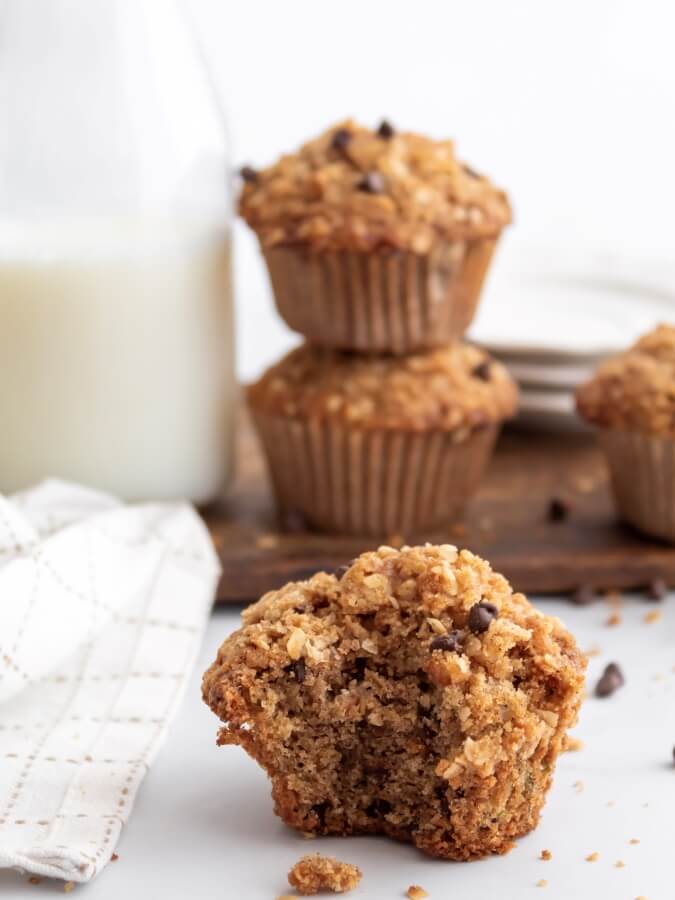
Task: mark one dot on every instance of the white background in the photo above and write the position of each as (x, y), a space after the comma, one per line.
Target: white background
(568, 105)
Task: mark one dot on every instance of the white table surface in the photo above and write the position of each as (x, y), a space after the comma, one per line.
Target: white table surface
(203, 825)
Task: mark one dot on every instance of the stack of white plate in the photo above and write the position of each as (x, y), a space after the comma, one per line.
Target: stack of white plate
(553, 326)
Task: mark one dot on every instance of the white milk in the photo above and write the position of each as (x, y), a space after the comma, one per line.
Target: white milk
(116, 358)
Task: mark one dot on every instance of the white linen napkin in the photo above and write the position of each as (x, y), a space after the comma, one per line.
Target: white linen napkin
(102, 611)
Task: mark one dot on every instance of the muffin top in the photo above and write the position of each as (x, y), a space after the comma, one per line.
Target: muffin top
(430, 609)
(357, 189)
(457, 388)
(635, 391)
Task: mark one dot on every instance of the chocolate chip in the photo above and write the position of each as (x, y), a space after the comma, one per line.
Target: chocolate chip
(583, 596)
(673, 755)
(657, 589)
(386, 130)
(611, 680)
(299, 670)
(378, 807)
(294, 521)
(482, 370)
(481, 616)
(471, 172)
(441, 792)
(558, 510)
(452, 642)
(248, 174)
(372, 183)
(321, 809)
(341, 139)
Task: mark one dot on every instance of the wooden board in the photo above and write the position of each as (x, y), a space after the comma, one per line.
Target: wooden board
(508, 524)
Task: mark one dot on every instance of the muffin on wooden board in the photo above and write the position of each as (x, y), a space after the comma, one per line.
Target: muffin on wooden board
(380, 445)
(375, 240)
(631, 399)
(415, 695)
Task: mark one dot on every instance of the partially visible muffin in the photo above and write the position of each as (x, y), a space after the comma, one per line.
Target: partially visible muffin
(380, 444)
(631, 399)
(415, 696)
(375, 240)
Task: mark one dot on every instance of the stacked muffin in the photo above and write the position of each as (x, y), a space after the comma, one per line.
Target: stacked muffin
(377, 244)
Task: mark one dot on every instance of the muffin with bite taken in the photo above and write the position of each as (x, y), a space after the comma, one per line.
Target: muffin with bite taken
(631, 400)
(380, 445)
(375, 240)
(413, 695)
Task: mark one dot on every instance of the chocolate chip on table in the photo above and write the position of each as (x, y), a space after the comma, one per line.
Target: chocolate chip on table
(452, 642)
(248, 174)
(584, 595)
(482, 370)
(481, 616)
(341, 139)
(610, 681)
(386, 130)
(294, 521)
(372, 183)
(558, 510)
(657, 589)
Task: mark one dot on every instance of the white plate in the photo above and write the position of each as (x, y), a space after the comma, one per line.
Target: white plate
(547, 375)
(549, 410)
(568, 315)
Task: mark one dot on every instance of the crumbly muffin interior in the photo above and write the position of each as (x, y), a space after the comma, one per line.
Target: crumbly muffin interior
(415, 696)
(450, 388)
(354, 188)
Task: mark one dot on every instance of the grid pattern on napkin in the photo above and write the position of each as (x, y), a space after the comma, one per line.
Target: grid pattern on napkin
(101, 617)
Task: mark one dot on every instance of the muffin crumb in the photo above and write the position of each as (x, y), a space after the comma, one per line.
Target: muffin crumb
(593, 857)
(654, 615)
(312, 874)
(546, 855)
(415, 892)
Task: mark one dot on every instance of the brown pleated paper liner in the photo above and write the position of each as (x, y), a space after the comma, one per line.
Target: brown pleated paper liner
(642, 470)
(372, 482)
(395, 302)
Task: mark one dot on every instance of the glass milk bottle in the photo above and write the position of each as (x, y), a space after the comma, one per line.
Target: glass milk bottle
(116, 340)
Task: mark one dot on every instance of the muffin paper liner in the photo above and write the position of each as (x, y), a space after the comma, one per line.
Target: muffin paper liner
(642, 469)
(393, 302)
(372, 482)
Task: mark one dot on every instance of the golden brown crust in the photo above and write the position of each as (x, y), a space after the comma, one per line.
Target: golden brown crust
(315, 873)
(450, 389)
(635, 391)
(366, 192)
(388, 702)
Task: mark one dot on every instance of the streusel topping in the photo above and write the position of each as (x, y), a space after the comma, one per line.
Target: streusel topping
(449, 389)
(635, 390)
(357, 189)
